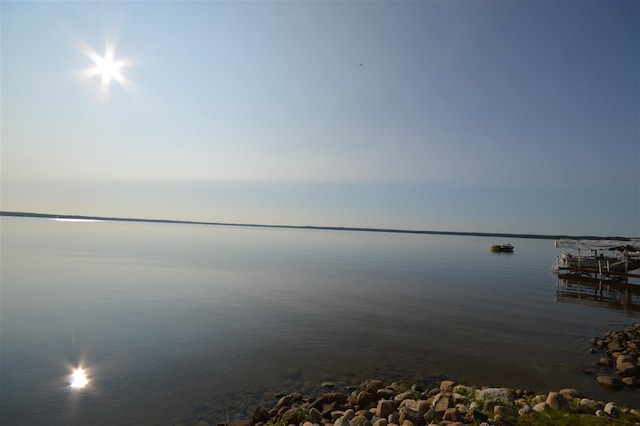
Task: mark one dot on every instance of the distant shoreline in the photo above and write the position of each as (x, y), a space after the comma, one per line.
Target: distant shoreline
(311, 227)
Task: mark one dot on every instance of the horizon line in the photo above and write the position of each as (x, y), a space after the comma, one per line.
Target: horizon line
(312, 227)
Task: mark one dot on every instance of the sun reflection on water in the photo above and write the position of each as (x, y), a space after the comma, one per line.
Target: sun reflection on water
(78, 379)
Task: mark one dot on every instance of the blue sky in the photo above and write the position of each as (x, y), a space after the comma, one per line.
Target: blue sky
(483, 116)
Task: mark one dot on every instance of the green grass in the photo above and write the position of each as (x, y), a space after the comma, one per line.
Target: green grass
(555, 418)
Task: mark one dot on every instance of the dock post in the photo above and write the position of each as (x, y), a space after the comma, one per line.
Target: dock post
(600, 269)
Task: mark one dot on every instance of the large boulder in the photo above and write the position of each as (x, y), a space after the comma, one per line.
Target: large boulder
(261, 414)
(557, 402)
(364, 399)
(385, 408)
(442, 401)
(404, 395)
(447, 385)
(506, 412)
(610, 382)
(372, 386)
(627, 369)
(501, 396)
(292, 416)
(452, 415)
(411, 415)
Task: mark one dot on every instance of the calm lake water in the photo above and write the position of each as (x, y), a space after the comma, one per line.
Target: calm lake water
(178, 321)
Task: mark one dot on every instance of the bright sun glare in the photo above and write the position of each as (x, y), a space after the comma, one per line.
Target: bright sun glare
(107, 67)
(78, 379)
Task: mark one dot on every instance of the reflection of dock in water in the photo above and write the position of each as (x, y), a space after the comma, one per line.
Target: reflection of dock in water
(604, 293)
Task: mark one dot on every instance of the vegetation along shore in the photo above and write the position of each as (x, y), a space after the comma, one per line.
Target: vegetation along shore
(374, 403)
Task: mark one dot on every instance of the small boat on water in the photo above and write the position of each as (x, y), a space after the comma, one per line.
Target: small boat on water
(501, 248)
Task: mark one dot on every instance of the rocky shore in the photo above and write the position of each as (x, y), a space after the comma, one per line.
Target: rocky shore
(374, 403)
(620, 367)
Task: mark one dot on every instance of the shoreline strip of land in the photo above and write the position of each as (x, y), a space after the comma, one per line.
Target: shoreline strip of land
(309, 227)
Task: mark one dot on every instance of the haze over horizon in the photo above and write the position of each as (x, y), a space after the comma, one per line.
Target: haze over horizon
(500, 116)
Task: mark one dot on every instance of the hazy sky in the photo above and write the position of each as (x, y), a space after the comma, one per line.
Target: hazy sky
(494, 116)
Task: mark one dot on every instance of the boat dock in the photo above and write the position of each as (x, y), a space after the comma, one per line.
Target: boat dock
(599, 261)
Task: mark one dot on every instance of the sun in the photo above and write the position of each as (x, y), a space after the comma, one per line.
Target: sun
(106, 67)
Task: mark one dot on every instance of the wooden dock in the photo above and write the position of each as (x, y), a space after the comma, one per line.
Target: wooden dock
(598, 275)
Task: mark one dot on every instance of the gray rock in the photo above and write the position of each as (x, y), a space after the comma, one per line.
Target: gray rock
(285, 401)
(367, 413)
(385, 408)
(363, 399)
(501, 421)
(621, 359)
(506, 412)
(605, 362)
(476, 416)
(611, 409)
(423, 406)
(589, 406)
(292, 415)
(385, 393)
(329, 401)
(614, 346)
(557, 402)
(261, 414)
(360, 421)
(570, 393)
(404, 395)
(412, 415)
(341, 421)
(463, 390)
(541, 406)
(501, 395)
(526, 409)
(330, 411)
(336, 414)
(460, 398)
(315, 416)
(442, 401)
(447, 385)
(430, 415)
(452, 415)
(627, 369)
(610, 382)
(488, 406)
(409, 403)
(372, 386)
(349, 414)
